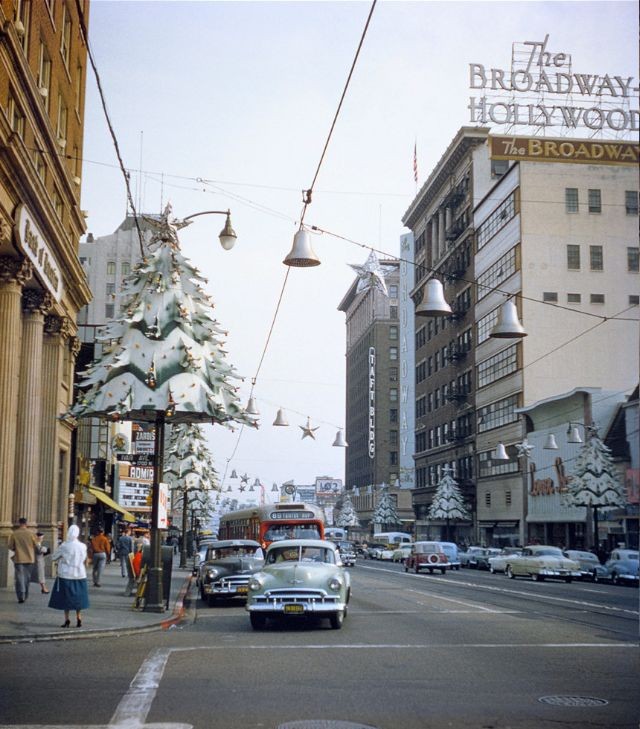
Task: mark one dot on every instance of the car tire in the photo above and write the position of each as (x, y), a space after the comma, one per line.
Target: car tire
(568, 579)
(336, 620)
(257, 621)
(443, 570)
(594, 576)
(537, 577)
(509, 572)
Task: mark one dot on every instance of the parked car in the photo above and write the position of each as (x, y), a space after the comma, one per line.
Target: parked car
(498, 562)
(540, 562)
(590, 567)
(400, 554)
(373, 550)
(300, 578)
(468, 557)
(386, 553)
(426, 556)
(622, 567)
(347, 552)
(451, 550)
(201, 554)
(226, 568)
(481, 560)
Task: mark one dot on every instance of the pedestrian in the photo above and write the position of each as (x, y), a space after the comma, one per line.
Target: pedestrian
(101, 550)
(124, 547)
(23, 542)
(41, 552)
(70, 590)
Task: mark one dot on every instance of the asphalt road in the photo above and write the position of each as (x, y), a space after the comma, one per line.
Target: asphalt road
(465, 650)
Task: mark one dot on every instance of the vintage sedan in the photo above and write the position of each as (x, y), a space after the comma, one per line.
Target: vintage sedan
(468, 557)
(301, 578)
(347, 552)
(590, 567)
(226, 568)
(540, 562)
(622, 567)
(401, 553)
(481, 560)
(498, 563)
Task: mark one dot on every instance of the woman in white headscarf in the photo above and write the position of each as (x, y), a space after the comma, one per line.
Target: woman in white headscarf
(70, 590)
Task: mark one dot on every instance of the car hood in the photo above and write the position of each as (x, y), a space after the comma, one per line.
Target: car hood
(298, 573)
(234, 565)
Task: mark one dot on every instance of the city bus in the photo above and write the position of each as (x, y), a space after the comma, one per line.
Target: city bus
(392, 539)
(273, 522)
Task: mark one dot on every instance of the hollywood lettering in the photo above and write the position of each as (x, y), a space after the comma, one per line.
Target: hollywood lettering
(546, 73)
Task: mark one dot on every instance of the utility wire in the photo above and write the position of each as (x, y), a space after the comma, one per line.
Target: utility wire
(125, 174)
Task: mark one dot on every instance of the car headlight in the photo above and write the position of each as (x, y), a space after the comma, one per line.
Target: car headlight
(335, 583)
(212, 573)
(255, 583)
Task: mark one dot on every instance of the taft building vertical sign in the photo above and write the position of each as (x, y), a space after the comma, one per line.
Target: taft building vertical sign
(372, 402)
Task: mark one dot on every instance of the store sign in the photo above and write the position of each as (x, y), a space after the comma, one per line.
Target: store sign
(328, 486)
(372, 402)
(558, 150)
(34, 245)
(548, 486)
(603, 99)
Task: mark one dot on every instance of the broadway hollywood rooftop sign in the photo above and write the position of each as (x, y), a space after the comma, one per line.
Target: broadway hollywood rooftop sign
(604, 101)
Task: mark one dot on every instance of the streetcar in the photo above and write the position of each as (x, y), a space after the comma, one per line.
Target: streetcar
(273, 522)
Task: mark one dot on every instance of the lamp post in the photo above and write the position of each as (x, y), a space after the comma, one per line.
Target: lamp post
(227, 235)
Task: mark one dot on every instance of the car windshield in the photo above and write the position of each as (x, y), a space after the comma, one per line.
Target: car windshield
(277, 532)
(547, 552)
(237, 551)
(300, 554)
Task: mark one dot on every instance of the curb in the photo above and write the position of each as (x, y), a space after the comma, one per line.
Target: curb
(179, 611)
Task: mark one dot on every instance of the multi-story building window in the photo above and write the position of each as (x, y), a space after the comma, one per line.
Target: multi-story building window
(421, 441)
(78, 89)
(40, 165)
(487, 466)
(393, 415)
(631, 202)
(496, 221)
(61, 127)
(125, 268)
(393, 374)
(596, 298)
(550, 296)
(573, 257)
(634, 299)
(421, 407)
(571, 199)
(498, 272)
(421, 371)
(109, 311)
(393, 394)
(111, 268)
(393, 353)
(633, 259)
(499, 365)
(507, 498)
(596, 260)
(65, 37)
(111, 289)
(595, 201)
(393, 458)
(574, 298)
(16, 117)
(421, 339)
(57, 203)
(393, 291)
(393, 312)
(486, 324)
(498, 413)
(393, 333)
(44, 74)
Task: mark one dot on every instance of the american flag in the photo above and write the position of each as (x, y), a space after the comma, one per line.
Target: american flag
(415, 162)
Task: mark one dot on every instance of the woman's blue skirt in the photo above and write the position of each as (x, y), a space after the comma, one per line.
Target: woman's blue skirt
(69, 594)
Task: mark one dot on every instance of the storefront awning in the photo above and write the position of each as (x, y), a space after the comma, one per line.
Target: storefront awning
(107, 501)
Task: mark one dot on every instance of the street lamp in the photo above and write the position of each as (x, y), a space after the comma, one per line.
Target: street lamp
(227, 235)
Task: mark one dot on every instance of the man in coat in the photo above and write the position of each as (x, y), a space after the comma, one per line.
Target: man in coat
(23, 542)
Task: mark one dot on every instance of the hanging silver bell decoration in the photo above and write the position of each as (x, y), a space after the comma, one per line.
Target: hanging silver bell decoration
(433, 302)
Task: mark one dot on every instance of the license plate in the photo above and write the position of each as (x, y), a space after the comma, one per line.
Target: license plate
(294, 608)
(241, 590)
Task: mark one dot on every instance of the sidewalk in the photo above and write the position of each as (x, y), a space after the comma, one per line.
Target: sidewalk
(110, 612)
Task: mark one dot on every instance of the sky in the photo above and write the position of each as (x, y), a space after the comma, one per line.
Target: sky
(228, 105)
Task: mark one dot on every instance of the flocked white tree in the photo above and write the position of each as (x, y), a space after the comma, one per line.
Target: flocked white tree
(163, 360)
(594, 481)
(385, 513)
(190, 473)
(347, 516)
(448, 502)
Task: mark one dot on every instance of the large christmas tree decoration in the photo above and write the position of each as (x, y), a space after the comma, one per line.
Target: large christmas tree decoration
(448, 504)
(385, 514)
(594, 481)
(347, 515)
(164, 361)
(190, 473)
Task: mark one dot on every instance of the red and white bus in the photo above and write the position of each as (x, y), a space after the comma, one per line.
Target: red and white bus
(273, 522)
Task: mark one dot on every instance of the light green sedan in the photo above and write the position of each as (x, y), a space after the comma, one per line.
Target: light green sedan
(300, 578)
(541, 562)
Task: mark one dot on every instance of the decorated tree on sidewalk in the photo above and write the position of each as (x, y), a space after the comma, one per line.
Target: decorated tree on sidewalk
(594, 482)
(163, 361)
(190, 473)
(347, 516)
(448, 504)
(385, 514)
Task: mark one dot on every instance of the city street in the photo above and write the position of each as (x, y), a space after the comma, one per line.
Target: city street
(468, 649)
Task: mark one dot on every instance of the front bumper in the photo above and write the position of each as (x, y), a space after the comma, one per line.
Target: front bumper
(296, 602)
(547, 572)
(227, 587)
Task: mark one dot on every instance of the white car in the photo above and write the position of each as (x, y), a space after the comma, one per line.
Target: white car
(498, 563)
(541, 561)
(386, 554)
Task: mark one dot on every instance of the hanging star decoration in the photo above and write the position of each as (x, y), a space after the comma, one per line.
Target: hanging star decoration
(524, 449)
(370, 275)
(244, 479)
(308, 430)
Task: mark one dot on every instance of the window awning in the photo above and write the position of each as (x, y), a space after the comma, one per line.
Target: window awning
(107, 501)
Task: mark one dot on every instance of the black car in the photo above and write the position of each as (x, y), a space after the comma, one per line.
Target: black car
(225, 570)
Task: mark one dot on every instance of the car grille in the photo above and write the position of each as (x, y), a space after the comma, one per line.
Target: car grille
(286, 596)
(224, 583)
